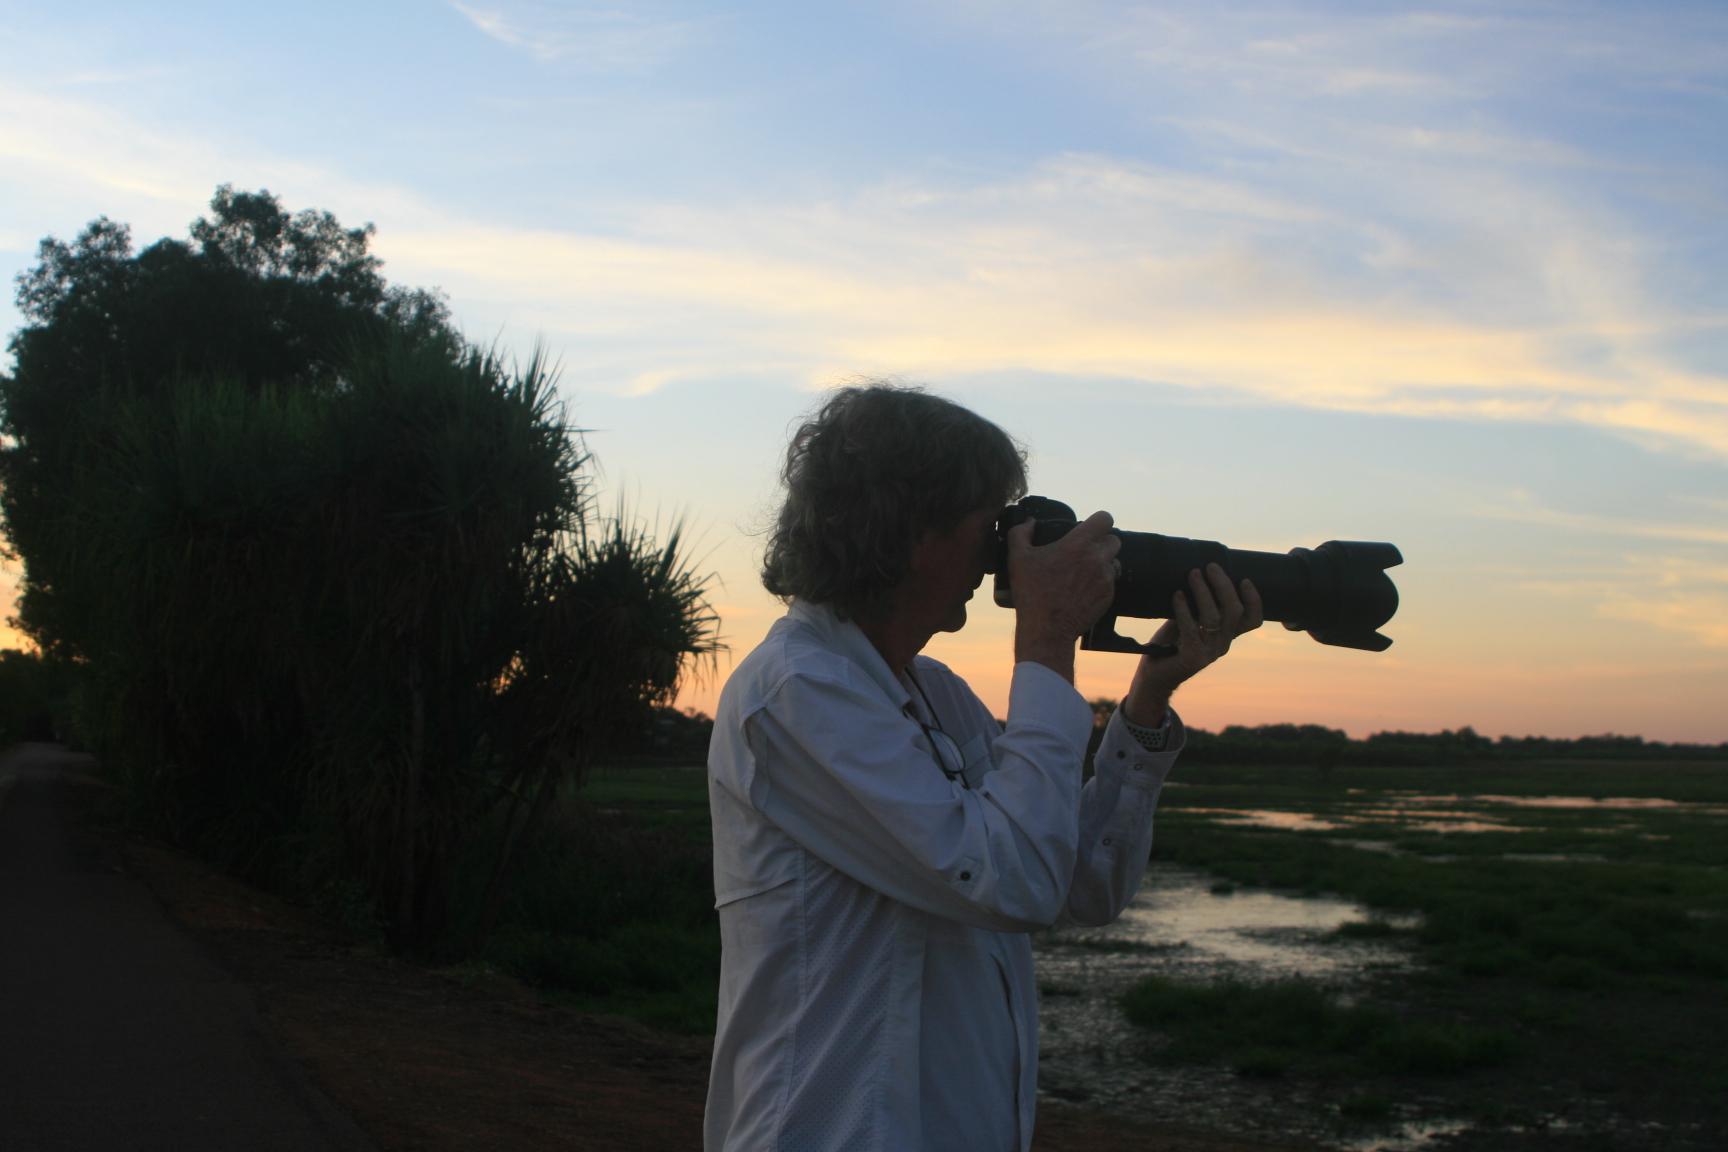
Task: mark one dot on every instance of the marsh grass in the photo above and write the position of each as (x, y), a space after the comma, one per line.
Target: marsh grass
(1371, 929)
(1579, 899)
(1270, 1029)
(1534, 968)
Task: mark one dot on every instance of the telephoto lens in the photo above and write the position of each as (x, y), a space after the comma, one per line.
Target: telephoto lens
(1338, 593)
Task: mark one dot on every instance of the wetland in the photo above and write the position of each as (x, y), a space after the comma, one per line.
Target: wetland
(1528, 955)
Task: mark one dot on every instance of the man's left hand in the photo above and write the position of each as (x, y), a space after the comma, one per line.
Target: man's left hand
(1202, 633)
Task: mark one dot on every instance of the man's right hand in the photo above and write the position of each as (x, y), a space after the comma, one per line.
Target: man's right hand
(1060, 589)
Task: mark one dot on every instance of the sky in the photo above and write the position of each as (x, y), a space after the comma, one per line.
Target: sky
(1453, 276)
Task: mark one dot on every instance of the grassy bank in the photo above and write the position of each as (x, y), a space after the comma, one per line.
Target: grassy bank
(612, 910)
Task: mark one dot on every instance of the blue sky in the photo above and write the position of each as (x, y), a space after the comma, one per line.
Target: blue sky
(1452, 276)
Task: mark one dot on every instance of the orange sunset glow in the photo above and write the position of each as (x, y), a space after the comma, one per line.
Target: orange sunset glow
(1267, 277)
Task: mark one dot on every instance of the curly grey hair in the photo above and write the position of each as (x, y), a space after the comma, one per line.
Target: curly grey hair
(867, 475)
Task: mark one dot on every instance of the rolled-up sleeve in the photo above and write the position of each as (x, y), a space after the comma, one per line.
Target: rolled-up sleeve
(854, 781)
(1116, 809)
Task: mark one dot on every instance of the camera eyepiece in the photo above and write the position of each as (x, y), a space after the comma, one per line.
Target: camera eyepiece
(1338, 593)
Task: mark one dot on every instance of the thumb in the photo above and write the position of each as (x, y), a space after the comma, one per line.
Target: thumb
(1095, 527)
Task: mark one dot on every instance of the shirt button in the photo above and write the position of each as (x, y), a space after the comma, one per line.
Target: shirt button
(965, 875)
(1106, 841)
(1136, 767)
(1121, 755)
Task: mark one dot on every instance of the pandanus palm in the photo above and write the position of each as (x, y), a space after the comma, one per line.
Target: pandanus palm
(330, 576)
(350, 621)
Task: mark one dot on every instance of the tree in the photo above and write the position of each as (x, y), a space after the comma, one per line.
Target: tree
(259, 296)
(338, 596)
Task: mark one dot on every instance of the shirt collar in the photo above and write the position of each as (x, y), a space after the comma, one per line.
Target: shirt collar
(847, 639)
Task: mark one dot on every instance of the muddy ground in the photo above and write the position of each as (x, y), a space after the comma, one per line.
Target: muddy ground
(429, 1060)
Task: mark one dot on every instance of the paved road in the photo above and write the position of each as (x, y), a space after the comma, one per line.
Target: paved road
(116, 1033)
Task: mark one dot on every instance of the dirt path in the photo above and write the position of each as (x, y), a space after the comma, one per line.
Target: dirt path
(118, 1032)
(430, 1061)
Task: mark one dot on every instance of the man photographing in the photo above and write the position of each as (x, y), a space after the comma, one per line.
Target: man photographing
(882, 847)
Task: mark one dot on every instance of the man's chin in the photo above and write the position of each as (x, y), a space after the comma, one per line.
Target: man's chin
(955, 622)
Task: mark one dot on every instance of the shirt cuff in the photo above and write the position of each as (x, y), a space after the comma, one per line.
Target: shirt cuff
(1122, 755)
(1044, 698)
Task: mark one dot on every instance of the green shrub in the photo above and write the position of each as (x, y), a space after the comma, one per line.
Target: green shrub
(1431, 1049)
(1261, 1063)
(1266, 1029)
(1366, 1106)
(608, 915)
(1576, 973)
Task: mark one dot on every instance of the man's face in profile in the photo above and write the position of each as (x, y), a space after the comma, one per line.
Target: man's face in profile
(949, 567)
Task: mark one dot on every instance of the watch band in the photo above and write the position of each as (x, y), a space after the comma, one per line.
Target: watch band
(1151, 739)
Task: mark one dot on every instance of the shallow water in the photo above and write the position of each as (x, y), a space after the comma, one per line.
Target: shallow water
(1190, 925)
(1559, 801)
(1263, 818)
(1178, 926)
(1195, 921)
(1419, 820)
(1418, 812)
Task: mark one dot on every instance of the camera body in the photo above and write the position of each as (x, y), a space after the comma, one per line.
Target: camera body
(1338, 593)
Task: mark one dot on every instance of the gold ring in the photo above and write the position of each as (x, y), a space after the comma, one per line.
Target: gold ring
(1211, 631)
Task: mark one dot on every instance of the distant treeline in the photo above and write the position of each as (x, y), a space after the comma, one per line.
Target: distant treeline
(674, 736)
(1315, 744)
(682, 736)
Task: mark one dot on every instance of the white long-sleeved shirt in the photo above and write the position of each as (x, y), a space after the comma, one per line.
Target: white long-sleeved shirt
(876, 985)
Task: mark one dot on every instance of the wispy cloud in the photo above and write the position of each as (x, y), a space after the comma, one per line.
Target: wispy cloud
(1085, 266)
(1528, 309)
(1444, 50)
(618, 37)
(1682, 594)
(75, 149)
(1523, 508)
(65, 142)
(1677, 594)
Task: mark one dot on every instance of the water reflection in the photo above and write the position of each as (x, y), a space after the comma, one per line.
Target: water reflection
(1560, 801)
(1431, 814)
(1422, 812)
(1183, 924)
(1298, 821)
(1182, 918)
(1430, 821)
(1409, 1136)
